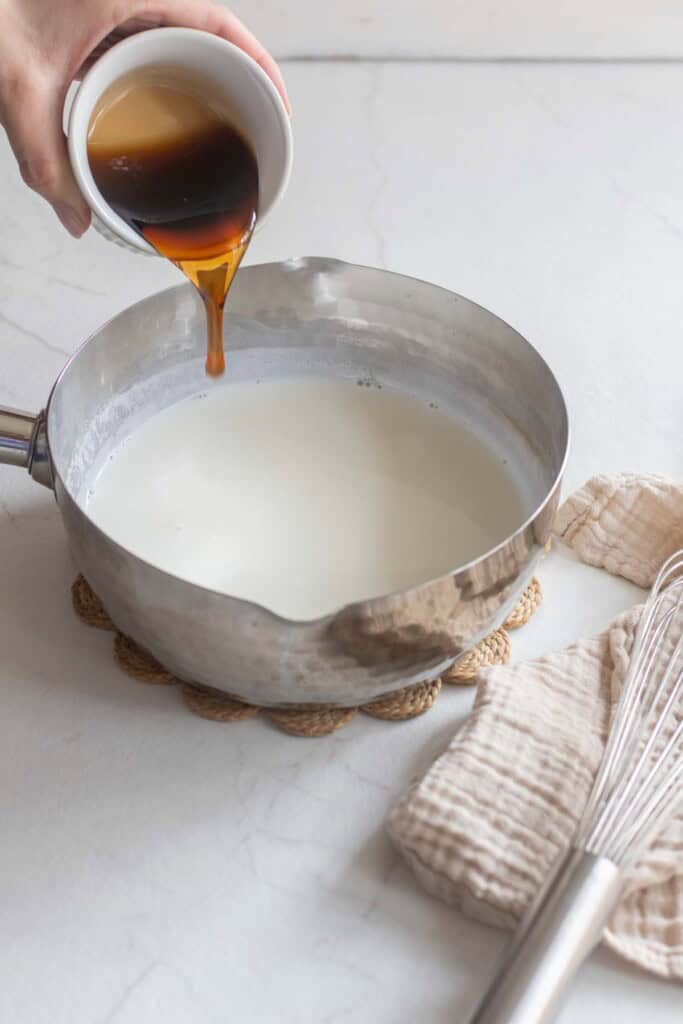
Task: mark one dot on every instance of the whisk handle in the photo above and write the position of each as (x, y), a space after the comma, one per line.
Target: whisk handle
(558, 932)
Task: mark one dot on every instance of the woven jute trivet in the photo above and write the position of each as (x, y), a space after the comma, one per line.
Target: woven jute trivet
(307, 720)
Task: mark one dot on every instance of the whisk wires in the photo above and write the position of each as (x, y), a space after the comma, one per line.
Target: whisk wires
(640, 779)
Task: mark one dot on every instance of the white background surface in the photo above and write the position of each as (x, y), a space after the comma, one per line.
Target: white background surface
(468, 28)
(155, 866)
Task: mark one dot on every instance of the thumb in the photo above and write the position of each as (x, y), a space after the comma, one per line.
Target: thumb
(33, 122)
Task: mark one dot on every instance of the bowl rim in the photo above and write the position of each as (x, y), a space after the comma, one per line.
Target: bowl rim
(81, 103)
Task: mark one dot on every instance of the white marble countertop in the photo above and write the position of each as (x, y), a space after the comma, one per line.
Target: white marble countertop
(469, 29)
(159, 867)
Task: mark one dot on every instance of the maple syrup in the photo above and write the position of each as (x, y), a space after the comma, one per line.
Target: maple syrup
(173, 165)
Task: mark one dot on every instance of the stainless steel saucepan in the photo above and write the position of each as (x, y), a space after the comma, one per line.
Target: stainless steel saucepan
(308, 316)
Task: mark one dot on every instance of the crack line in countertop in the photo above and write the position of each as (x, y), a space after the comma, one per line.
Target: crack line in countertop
(32, 334)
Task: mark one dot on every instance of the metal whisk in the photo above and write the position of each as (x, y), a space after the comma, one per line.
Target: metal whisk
(637, 788)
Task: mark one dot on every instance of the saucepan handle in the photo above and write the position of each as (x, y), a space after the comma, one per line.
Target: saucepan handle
(23, 442)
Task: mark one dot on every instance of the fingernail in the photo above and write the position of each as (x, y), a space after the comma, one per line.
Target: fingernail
(74, 222)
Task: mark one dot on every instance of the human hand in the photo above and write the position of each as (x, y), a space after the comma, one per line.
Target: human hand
(45, 44)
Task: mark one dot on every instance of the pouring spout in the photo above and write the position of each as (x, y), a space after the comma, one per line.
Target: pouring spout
(23, 443)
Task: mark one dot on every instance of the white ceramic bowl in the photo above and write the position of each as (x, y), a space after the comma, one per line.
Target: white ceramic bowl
(255, 102)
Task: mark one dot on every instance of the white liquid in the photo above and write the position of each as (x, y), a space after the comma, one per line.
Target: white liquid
(305, 494)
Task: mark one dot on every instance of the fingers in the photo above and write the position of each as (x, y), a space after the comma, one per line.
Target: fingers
(232, 29)
(32, 119)
(31, 104)
(209, 17)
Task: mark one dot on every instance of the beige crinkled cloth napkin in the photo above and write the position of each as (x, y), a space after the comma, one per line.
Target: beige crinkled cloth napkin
(481, 830)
